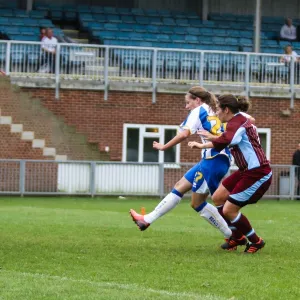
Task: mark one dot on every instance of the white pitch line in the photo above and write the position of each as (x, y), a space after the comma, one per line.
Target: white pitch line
(117, 285)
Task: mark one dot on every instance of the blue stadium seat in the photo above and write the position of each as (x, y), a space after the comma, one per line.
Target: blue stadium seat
(136, 36)
(206, 31)
(19, 13)
(81, 8)
(168, 21)
(152, 28)
(123, 36)
(166, 29)
(180, 30)
(125, 27)
(142, 20)
(191, 39)
(4, 21)
(98, 18)
(111, 27)
(196, 23)
(97, 9)
(70, 16)
(113, 18)
(218, 40)
(108, 35)
(231, 41)
(246, 42)
(220, 32)
(156, 21)
(177, 38)
(140, 28)
(182, 22)
(205, 40)
(128, 19)
(165, 13)
(151, 13)
(163, 38)
(66, 8)
(193, 30)
(110, 10)
(87, 17)
(124, 11)
(137, 11)
(37, 14)
(97, 26)
(56, 15)
(150, 37)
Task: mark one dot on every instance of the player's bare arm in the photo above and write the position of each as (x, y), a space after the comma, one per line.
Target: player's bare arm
(176, 140)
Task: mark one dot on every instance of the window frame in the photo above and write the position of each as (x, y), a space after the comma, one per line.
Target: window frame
(267, 131)
(143, 134)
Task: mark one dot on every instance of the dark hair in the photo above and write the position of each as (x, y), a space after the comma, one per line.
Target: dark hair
(235, 104)
(205, 96)
(43, 28)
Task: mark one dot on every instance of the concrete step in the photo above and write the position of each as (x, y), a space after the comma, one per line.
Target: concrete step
(27, 135)
(38, 143)
(60, 157)
(6, 120)
(49, 151)
(16, 128)
(72, 33)
(98, 61)
(99, 70)
(81, 41)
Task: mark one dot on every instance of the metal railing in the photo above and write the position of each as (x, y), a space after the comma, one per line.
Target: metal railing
(106, 64)
(41, 177)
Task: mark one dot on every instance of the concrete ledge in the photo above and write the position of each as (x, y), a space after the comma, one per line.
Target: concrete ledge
(27, 135)
(137, 84)
(49, 151)
(38, 143)
(61, 157)
(6, 120)
(16, 128)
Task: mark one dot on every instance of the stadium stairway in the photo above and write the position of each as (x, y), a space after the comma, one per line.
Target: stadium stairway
(39, 129)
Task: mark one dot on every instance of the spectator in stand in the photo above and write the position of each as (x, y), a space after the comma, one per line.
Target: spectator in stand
(288, 31)
(42, 32)
(289, 53)
(49, 43)
(296, 162)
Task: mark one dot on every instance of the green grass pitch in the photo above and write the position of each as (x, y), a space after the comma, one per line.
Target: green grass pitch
(82, 248)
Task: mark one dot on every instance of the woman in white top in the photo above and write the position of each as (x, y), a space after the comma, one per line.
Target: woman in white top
(289, 53)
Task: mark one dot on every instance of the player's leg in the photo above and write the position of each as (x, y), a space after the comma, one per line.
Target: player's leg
(168, 203)
(207, 179)
(219, 198)
(252, 186)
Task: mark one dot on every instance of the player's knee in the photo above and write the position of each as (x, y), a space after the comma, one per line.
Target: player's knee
(228, 213)
(217, 200)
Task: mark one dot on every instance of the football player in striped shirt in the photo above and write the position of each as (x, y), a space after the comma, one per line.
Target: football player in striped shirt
(253, 178)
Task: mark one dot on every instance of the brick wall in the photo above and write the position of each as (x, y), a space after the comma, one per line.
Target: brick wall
(102, 121)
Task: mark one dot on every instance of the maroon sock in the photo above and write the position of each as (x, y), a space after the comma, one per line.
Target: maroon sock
(235, 232)
(243, 225)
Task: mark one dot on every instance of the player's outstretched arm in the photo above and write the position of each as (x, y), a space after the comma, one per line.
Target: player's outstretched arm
(175, 140)
(200, 146)
(207, 135)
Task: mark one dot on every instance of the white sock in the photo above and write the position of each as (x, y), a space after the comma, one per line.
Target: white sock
(167, 204)
(212, 216)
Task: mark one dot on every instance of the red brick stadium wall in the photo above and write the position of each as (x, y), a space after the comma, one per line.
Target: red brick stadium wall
(102, 121)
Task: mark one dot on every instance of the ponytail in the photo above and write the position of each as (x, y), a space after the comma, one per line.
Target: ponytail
(205, 96)
(235, 104)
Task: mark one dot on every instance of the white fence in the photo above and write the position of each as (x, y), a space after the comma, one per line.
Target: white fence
(150, 67)
(31, 177)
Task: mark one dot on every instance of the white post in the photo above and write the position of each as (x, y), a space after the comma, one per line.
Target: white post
(204, 9)
(29, 5)
(257, 26)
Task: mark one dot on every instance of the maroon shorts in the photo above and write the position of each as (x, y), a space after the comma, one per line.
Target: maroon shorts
(247, 187)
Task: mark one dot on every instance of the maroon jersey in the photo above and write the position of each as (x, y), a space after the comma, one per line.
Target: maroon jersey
(242, 138)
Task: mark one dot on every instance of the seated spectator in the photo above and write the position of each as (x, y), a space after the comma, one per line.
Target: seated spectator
(42, 32)
(288, 31)
(49, 43)
(289, 53)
